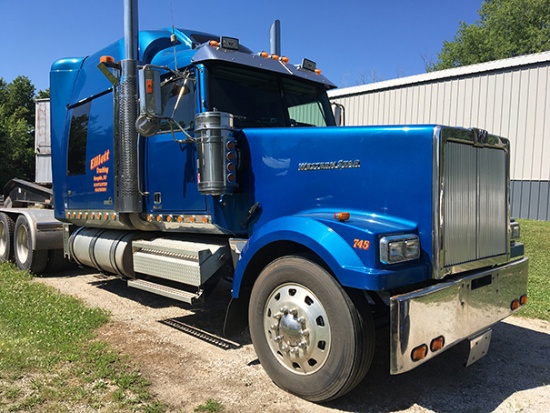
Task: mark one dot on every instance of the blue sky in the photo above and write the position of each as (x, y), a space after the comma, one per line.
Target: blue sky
(353, 42)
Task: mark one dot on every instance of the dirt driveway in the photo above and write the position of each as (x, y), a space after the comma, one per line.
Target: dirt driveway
(186, 370)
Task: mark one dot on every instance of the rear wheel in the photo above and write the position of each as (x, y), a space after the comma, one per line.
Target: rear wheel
(309, 335)
(6, 238)
(26, 256)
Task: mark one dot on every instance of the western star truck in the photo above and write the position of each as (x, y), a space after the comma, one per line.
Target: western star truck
(181, 157)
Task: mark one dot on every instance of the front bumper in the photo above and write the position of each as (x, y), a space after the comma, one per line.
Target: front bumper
(457, 309)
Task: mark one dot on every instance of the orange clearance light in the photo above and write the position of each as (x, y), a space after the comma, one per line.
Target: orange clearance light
(285, 60)
(113, 216)
(342, 216)
(523, 299)
(106, 59)
(159, 218)
(514, 305)
(437, 344)
(318, 71)
(191, 219)
(169, 218)
(149, 217)
(419, 352)
(265, 55)
(204, 220)
(275, 56)
(180, 219)
(214, 43)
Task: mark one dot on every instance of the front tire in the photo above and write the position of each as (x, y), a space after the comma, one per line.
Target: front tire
(27, 257)
(309, 336)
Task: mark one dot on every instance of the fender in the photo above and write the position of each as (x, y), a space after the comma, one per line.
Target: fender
(329, 244)
(46, 232)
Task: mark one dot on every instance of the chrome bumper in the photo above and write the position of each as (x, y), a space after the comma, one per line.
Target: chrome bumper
(457, 310)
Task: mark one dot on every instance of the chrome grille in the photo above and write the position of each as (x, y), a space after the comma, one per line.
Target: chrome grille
(474, 204)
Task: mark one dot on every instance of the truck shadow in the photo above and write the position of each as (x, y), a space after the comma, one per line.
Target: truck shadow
(518, 359)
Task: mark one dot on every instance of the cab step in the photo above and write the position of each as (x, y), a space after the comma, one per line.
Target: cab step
(165, 291)
(186, 262)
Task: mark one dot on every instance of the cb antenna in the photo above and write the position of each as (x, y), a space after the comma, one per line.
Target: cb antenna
(173, 37)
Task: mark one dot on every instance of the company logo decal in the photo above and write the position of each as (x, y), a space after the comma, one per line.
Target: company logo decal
(317, 166)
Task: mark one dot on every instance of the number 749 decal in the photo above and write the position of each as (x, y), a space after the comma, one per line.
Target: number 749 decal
(361, 244)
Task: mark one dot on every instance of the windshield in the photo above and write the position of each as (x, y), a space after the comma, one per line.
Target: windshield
(267, 99)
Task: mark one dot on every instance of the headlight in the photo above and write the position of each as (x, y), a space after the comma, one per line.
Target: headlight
(399, 248)
(515, 231)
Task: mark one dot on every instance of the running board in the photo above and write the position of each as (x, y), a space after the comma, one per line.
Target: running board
(165, 291)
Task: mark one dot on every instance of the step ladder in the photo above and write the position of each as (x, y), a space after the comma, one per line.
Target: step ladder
(187, 263)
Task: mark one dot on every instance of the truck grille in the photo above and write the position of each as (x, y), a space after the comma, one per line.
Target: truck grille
(474, 206)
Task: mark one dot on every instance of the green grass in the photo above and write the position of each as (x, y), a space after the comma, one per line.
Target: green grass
(210, 406)
(50, 360)
(536, 237)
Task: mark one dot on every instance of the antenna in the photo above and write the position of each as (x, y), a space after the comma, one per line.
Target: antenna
(173, 37)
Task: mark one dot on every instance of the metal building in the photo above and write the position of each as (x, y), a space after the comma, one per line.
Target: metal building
(509, 98)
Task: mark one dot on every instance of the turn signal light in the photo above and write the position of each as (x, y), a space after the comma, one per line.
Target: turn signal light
(419, 353)
(523, 299)
(437, 344)
(342, 216)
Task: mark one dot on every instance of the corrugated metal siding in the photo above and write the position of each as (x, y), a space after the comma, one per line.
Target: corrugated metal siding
(509, 98)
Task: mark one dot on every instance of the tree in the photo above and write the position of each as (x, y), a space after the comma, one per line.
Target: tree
(506, 28)
(17, 129)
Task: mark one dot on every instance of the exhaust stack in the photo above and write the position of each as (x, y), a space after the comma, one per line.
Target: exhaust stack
(275, 38)
(129, 197)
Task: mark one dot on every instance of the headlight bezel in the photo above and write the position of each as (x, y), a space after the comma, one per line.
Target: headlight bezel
(395, 249)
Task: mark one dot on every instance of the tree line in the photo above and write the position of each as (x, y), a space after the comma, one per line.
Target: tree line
(17, 113)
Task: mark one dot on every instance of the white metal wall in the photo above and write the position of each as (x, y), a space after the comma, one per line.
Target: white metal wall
(510, 98)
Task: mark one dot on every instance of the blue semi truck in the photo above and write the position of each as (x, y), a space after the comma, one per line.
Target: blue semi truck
(181, 158)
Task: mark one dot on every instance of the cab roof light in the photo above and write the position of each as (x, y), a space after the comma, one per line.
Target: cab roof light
(284, 59)
(263, 54)
(275, 56)
(230, 43)
(309, 65)
(214, 43)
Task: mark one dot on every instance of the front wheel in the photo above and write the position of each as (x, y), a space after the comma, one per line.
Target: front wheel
(310, 337)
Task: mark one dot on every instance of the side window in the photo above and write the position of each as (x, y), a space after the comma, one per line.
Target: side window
(76, 157)
(178, 99)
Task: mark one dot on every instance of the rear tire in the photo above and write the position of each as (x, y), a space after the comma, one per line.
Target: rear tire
(6, 237)
(309, 336)
(27, 257)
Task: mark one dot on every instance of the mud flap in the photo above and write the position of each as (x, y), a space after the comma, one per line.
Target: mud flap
(479, 346)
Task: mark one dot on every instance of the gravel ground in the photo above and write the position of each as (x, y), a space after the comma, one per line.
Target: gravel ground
(186, 371)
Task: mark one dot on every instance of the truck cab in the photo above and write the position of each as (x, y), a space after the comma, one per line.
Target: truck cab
(201, 159)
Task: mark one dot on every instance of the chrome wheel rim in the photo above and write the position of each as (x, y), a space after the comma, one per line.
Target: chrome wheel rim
(22, 242)
(297, 329)
(3, 239)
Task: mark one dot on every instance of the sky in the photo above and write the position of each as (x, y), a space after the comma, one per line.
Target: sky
(353, 42)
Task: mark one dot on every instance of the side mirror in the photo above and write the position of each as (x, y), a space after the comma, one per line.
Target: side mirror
(339, 114)
(150, 103)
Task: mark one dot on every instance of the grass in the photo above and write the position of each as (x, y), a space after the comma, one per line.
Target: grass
(50, 360)
(536, 237)
(211, 406)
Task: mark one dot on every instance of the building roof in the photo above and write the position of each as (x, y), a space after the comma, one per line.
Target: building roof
(496, 65)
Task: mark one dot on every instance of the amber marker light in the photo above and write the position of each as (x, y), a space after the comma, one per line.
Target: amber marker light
(342, 216)
(214, 43)
(265, 55)
(180, 219)
(437, 344)
(149, 218)
(523, 299)
(169, 218)
(514, 305)
(419, 352)
(159, 218)
(106, 59)
(191, 219)
(204, 220)
(285, 59)
(275, 56)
